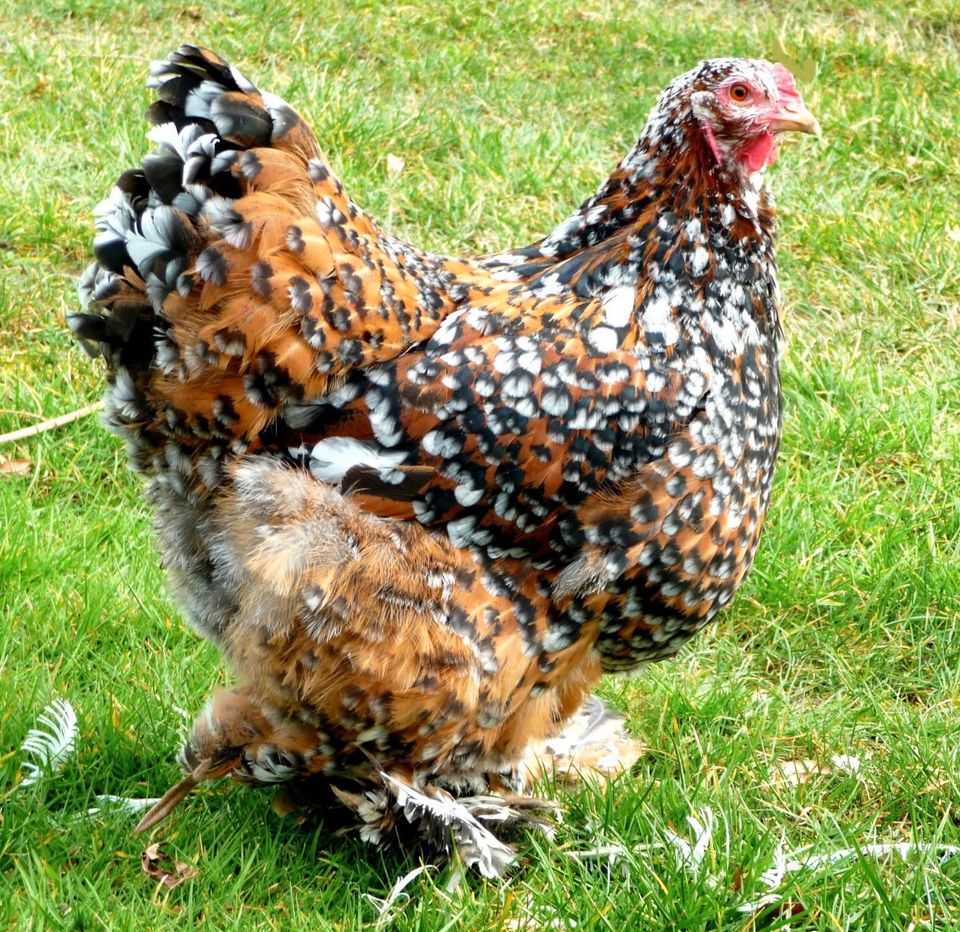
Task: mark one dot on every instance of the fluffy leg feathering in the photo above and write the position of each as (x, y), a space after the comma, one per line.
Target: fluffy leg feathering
(368, 647)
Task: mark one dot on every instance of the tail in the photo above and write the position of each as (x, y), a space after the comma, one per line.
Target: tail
(151, 234)
(196, 87)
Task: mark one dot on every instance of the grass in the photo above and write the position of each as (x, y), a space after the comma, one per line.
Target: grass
(844, 640)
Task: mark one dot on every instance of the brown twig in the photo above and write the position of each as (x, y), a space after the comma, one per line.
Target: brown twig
(44, 426)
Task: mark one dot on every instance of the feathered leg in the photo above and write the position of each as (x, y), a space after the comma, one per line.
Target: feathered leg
(234, 737)
(594, 741)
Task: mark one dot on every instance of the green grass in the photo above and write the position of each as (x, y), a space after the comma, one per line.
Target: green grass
(845, 639)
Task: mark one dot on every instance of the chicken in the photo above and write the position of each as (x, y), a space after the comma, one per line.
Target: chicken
(422, 503)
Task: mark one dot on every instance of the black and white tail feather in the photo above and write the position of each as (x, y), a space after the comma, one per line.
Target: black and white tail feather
(153, 227)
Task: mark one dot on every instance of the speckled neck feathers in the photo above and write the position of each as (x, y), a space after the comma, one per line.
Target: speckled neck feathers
(659, 217)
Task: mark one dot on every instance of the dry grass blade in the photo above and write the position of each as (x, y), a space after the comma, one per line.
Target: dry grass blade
(24, 432)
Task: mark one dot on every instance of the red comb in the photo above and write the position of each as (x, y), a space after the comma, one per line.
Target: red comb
(784, 81)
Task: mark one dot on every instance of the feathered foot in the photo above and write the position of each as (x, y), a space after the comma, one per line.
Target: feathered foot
(443, 822)
(386, 806)
(233, 737)
(594, 741)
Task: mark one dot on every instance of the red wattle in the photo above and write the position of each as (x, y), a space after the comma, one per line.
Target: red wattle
(760, 152)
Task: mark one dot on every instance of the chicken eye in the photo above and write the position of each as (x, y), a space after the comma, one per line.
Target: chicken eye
(739, 93)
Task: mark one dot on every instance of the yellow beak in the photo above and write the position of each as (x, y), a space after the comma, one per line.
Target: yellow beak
(795, 118)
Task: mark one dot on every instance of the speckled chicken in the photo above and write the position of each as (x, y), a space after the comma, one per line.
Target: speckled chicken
(422, 503)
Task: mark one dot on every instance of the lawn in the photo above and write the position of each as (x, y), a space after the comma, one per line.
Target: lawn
(819, 715)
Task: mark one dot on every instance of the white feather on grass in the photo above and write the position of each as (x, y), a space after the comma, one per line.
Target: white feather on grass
(773, 878)
(385, 907)
(691, 855)
(50, 742)
(126, 803)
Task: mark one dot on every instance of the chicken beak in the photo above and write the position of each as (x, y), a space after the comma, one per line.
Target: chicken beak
(795, 117)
